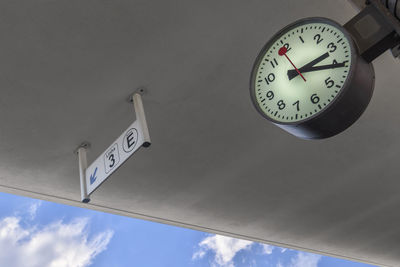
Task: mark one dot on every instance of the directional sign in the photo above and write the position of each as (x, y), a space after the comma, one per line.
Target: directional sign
(113, 157)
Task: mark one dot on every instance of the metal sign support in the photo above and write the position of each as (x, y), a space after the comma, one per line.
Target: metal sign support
(139, 111)
(137, 135)
(82, 167)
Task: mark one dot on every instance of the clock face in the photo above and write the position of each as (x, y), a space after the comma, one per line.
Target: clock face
(301, 71)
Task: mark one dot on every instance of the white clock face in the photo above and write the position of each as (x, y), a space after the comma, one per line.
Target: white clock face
(302, 72)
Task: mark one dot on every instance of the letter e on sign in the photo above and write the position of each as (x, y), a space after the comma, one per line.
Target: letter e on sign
(130, 140)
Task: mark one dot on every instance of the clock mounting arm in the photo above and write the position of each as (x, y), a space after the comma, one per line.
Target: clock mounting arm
(374, 30)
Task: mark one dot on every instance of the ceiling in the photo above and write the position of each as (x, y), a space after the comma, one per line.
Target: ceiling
(67, 68)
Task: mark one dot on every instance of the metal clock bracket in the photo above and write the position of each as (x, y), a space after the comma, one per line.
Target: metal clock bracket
(375, 30)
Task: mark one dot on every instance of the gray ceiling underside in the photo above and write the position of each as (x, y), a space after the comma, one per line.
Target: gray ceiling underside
(67, 68)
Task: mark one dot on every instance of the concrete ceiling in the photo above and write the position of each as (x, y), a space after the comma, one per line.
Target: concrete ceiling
(67, 67)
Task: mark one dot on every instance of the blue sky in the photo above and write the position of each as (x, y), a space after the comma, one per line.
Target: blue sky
(39, 233)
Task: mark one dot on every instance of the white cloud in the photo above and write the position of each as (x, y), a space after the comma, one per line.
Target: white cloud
(303, 259)
(224, 248)
(32, 210)
(267, 249)
(199, 254)
(55, 245)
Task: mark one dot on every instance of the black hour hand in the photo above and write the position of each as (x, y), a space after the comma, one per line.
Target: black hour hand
(309, 64)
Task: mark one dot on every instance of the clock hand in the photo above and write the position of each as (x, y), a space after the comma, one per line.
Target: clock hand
(310, 64)
(282, 52)
(293, 73)
(324, 67)
(315, 61)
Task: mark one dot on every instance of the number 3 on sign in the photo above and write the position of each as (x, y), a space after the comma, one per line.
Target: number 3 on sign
(111, 158)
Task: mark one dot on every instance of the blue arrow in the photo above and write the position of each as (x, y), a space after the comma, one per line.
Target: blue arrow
(93, 176)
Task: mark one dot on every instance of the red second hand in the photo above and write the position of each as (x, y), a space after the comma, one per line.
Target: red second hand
(282, 52)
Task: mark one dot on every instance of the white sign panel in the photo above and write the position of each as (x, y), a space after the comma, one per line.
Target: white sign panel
(113, 157)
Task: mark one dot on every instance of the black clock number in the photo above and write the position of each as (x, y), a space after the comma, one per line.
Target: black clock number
(297, 103)
(270, 95)
(318, 38)
(281, 104)
(329, 82)
(274, 62)
(332, 46)
(270, 78)
(314, 99)
(287, 46)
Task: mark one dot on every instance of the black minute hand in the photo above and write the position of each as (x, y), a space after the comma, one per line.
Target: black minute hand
(323, 67)
(293, 73)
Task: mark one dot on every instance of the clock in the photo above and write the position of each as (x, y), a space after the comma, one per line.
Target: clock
(310, 80)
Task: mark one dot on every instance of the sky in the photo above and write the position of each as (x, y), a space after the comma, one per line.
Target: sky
(38, 233)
